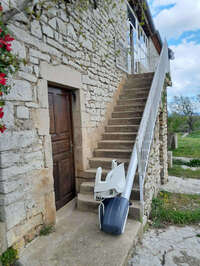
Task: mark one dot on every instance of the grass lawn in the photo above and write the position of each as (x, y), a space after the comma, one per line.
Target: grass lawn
(177, 170)
(188, 146)
(172, 208)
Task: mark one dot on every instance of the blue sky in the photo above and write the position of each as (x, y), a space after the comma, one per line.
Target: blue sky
(179, 22)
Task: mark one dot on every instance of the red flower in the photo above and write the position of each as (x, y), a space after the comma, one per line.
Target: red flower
(2, 128)
(1, 113)
(8, 38)
(2, 79)
(8, 47)
(1, 8)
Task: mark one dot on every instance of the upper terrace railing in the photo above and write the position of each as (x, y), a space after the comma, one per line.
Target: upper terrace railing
(142, 147)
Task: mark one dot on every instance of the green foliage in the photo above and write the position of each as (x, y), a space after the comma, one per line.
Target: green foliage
(191, 163)
(176, 123)
(188, 146)
(9, 257)
(177, 170)
(46, 230)
(172, 208)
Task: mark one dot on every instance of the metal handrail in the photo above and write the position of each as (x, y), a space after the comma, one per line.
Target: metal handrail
(141, 149)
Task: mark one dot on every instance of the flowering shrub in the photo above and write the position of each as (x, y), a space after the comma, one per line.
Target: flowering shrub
(9, 64)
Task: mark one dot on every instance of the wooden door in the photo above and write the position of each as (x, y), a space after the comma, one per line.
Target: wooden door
(62, 145)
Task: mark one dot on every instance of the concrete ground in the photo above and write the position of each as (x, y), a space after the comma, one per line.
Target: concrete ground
(77, 241)
(172, 246)
(182, 185)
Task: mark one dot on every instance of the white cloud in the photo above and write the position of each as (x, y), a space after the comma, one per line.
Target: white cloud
(185, 70)
(183, 16)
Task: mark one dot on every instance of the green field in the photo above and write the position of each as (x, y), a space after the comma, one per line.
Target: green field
(172, 208)
(177, 170)
(188, 146)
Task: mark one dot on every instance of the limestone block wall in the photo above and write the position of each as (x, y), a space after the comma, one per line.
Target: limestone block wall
(152, 179)
(157, 173)
(163, 138)
(56, 41)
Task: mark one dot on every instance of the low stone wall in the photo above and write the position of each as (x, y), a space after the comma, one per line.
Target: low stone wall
(152, 179)
(157, 170)
(3, 242)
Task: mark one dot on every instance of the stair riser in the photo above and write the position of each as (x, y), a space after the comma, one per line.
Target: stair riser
(121, 108)
(113, 154)
(122, 129)
(132, 101)
(135, 194)
(141, 75)
(103, 145)
(128, 94)
(134, 213)
(125, 121)
(104, 164)
(126, 114)
(140, 84)
(119, 137)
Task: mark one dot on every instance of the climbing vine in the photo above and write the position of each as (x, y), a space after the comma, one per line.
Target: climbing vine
(9, 64)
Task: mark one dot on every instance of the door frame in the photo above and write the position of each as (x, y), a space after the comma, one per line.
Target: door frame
(70, 92)
(68, 79)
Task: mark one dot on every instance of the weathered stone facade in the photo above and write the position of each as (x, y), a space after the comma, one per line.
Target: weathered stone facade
(157, 172)
(59, 51)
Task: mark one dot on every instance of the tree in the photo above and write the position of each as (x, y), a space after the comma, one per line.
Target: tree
(186, 107)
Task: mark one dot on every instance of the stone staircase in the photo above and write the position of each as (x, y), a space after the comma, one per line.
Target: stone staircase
(117, 142)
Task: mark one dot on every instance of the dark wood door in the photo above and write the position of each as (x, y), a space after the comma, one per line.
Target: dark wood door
(62, 145)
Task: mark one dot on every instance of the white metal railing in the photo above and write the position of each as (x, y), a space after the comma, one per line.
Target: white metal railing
(141, 149)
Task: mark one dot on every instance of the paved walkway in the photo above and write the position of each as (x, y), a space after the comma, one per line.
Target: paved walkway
(172, 246)
(182, 185)
(78, 241)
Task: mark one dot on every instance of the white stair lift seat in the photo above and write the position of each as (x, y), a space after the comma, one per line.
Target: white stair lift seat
(114, 183)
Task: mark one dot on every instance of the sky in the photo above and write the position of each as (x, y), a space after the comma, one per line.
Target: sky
(179, 22)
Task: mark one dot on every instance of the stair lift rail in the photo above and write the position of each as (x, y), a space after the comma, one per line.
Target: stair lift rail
(113, 212)
(141, 150)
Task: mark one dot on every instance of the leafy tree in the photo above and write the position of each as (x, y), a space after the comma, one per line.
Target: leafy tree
(186, 107)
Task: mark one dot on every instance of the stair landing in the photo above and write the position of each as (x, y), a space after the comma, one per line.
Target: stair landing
(77, 241)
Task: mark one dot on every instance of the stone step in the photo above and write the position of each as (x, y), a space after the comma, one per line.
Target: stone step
(131, 93)
(119, 136)
(138, 83)
(133, 101)
(141, 76)
(106, 163)
(88, 188)
(124, 121)
(90, 174)
(86, 202)
(115, 144)
(128, 107)
(127, 114)
(122, 128)
(136, 89)
(113, 153)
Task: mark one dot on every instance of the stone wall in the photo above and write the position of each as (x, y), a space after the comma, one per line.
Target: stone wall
(56, 41)
(3, 242)
(157, 170)
(152, 179)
